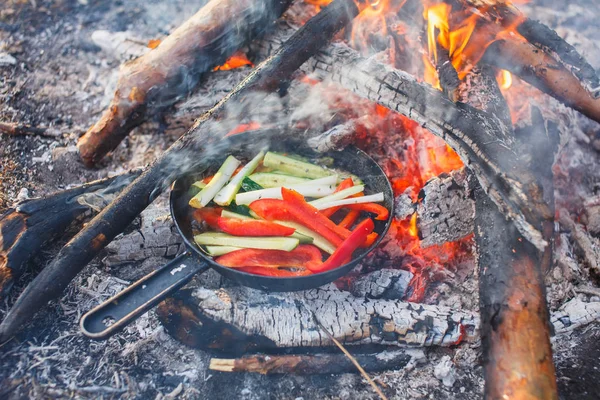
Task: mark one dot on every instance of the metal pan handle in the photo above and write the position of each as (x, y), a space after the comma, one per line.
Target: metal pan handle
(118, 311)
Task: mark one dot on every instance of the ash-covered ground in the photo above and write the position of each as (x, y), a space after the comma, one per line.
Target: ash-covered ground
(53, 75)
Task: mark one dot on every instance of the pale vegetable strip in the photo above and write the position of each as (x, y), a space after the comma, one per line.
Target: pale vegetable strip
(226, 194)
(275, 193)
(217, 182)
(318, 240)
(249, 242)
(342, 194)
(373, 198)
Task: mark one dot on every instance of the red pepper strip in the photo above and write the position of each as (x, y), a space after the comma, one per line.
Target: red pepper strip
(276, 272)
(209, 215)
(349, 219)
(239, 227)
(270, 209)
(342, 253)
(345, 184)
(381, 211)
(271, 258)
(299, 211)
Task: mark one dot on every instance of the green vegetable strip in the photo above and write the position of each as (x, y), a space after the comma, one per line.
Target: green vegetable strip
(223, 239)
(342, 194)
(217, 182)
(294, 167)
(318, 240)
(226, 195)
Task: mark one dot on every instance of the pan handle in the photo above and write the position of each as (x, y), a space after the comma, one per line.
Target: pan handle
(115, 313)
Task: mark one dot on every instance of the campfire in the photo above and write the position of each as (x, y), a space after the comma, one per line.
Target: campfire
(484, 121)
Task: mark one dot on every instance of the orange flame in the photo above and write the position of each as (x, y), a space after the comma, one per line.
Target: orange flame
(237, 60)
(251, 126)
(504, 79)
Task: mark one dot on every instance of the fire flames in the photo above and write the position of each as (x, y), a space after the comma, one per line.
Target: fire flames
(237, 60)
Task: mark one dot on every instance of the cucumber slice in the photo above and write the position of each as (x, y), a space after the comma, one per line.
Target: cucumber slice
(294, 167)
(304, 239)
(226, 194)
(249, 185)
(342, 194)
(223, 239)
(230, 214)
(217, 182)
(270, 180)
(318, 240)
(373, 198)
(275, 193)
(220, 250)
(199, 184)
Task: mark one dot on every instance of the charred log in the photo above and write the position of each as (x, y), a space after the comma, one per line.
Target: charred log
(242, 320)
(27, 227)
(14, 129)
(447, 74)
(464, 128)
(515, 330)
(202, 137)
(170, 71)
(318, 363)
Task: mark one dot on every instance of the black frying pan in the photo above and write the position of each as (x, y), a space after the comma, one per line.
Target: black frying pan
(115, 313)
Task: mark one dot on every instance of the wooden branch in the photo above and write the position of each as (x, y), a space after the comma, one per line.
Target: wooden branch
(27, 227)
(15, 129)
(240, 320)
(517, 354)
(318, 363)
(544, 72)
(192, 151)
(169, 72)
(465, 129)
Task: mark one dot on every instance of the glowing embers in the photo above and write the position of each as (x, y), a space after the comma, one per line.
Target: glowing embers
(237, 60)
(504, 79)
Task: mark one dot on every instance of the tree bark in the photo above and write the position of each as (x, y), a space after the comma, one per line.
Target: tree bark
(191, 151)
(157, 79)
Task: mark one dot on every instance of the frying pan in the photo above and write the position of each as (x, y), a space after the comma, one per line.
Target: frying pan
(115, 313)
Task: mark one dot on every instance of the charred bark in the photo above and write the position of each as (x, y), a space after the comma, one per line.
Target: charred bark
(242, 320)
(317, 364)
(167, 73)
(515, 329)
(467, 130)
(28, 226)
(193, 146)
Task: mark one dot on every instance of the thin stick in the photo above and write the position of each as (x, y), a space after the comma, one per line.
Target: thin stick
(350, 357)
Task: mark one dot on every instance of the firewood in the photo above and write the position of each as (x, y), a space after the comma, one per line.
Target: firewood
(447, 74)
(464, 128)
(574, 314)
(193, 146)
(241, 319)
(515, 330)
(28, 226)
(15, 129)
(157, 79)
(318, 363)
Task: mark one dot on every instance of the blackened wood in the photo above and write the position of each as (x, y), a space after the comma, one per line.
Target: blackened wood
(240, 320)
(544, 72)
(313, 364)
(464, 128)
(28, 226)
(167, 73)
(447, 74)
(515, 328)
(195, 146)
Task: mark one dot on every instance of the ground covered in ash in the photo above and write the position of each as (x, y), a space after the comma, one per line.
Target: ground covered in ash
(53, 75)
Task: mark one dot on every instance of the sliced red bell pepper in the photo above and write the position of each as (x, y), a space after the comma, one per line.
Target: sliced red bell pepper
(239, 227)
(271, 258)
(209, 215)
(344, 252)
(293, 207)
(349, 219)
(270, 209)
(345, 184)
(275, 272)
(381, 211)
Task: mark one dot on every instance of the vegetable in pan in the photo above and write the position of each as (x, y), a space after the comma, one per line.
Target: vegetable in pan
(282, 216)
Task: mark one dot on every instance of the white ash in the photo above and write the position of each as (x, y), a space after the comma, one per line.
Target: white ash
(384, 283)
(445, 371)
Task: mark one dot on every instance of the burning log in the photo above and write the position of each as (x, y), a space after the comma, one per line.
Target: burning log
(544, 72)
(447, 74)
(28, 226)
(171, 70)
(241, 320)
(318, 363)
(206, 132)
(515, 330)
(463, 127)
